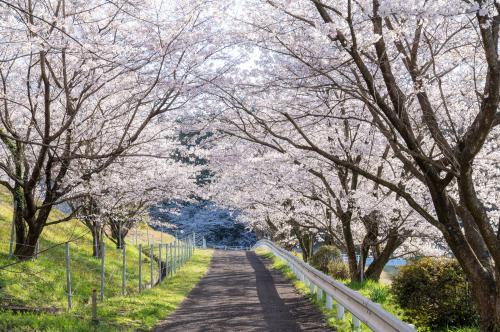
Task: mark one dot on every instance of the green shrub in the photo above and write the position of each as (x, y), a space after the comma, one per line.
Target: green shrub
(379, 294)
(434, 294)
(324, 256)
(338, 270)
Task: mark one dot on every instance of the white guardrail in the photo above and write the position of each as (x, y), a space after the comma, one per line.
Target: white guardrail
(361, 308)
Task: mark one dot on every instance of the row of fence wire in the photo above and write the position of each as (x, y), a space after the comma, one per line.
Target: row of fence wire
(62, 276)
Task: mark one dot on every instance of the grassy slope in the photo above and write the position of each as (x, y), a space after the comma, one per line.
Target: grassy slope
(42, 282)
(377, 292)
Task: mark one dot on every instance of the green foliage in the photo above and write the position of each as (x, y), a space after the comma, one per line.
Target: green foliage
(375, 291)
(338, 269)
(324, 256)
(434, 294)
(379, 294)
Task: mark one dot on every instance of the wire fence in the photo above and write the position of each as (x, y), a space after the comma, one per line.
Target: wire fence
(62, 276)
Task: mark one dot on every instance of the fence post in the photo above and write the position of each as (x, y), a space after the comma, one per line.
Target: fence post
(102, 271)
(171, 264)
(191, 248)
(184, 252)
(140, 267)
(151, 249)
(124, 269)
(181, 253)
(12, 230)
(159, 261)
(167, 266)
(311, 288)
(175, 256)
(68, 276)
(94, 306)
(37, 248)
(204, 246)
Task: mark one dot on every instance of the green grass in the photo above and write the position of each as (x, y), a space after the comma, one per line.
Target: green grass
(378, 292)
(41, 283)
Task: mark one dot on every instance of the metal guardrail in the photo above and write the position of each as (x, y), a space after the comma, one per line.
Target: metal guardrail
(361, 308)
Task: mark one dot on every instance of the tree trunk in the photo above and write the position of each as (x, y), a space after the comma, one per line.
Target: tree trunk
(97, 238)
(25, 248)
(375, 269)
(350, 247)
(306, 244)
(28, 225)
(482, 281)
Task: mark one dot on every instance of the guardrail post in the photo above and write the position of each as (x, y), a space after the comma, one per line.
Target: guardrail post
(320, 295)
(140, 267)
(361, 309)
(340, 311)
(356, 324)
(329, 301)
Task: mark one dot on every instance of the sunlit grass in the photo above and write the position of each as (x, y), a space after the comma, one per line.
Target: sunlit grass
(41, 283)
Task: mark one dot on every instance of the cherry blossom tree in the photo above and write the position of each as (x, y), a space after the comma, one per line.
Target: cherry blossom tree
(423, 76)
(86, 81)
(117, 199)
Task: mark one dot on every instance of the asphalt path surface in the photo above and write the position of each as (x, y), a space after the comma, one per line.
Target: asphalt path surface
(240, 294)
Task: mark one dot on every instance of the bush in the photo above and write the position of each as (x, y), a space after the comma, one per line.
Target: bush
(434, 294)
(379, 294)
(324, 256)
(329, 260)
(338, 270)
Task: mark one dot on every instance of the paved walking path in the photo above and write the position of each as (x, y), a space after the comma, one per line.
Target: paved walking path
(240, 294)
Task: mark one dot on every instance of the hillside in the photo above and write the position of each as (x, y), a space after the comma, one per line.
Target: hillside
(41, 284)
